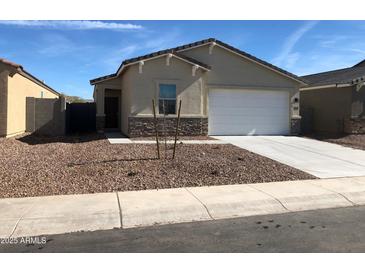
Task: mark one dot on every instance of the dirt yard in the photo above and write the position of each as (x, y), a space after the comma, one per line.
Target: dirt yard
(34, 166)
(353, 140)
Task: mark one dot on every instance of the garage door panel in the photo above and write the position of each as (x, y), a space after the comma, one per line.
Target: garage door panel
(248, 122)
(246, 117)
(251, 113)
(249, 95)
(247, 104)
(248, 112)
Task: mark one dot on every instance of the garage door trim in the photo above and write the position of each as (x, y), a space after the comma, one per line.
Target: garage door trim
(253, 100)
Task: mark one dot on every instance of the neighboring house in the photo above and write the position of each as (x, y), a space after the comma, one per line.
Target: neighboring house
(15, 85)
(224, 91)
(333, 102)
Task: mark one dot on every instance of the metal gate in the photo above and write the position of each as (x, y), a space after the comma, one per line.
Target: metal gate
(80, 117)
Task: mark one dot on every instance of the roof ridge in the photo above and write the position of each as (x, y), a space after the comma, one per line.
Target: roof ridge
(360, 64)
(324, 72)
(8, 62)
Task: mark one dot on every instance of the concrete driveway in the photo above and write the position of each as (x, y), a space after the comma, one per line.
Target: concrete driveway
(321, 159)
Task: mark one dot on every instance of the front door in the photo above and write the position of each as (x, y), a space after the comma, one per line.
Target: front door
(111, 112)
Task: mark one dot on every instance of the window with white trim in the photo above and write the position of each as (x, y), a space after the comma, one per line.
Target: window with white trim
(167, 99)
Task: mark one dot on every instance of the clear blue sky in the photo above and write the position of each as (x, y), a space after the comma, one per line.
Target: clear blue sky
(67, 54)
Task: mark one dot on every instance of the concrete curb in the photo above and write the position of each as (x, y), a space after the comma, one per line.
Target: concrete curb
(70, 213)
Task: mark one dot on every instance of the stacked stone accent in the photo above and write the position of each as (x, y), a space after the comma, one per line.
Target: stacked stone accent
(295, 126)
(355, 126)
(189, 126)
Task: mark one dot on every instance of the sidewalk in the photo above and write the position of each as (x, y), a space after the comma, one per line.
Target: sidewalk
(69, 213)
(117, 138)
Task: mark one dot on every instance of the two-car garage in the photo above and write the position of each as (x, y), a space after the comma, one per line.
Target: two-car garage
(248, 112)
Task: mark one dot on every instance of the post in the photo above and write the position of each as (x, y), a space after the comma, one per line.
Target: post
(164, 128)
(177, 129)
(156, 132)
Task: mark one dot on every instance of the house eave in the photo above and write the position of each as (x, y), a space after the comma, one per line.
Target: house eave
(121, 69)
(326, 86)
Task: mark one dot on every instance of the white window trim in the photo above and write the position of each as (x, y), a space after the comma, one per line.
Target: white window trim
(157, 93)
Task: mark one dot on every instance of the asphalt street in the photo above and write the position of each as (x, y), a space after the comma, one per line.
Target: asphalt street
(329, 230)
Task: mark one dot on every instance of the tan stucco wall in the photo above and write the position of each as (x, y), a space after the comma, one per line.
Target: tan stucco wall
(228, 70)
(232, 70)
(126, 101)
(19, 88)
(144, 86)
(329, 108)
(138, 90)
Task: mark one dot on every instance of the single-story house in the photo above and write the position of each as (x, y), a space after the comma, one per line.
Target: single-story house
(224, 91)
(333, 102)
(16, 84)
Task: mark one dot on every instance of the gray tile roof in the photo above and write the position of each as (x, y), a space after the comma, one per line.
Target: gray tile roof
(360, 64)
(340, 76)
(191, 45)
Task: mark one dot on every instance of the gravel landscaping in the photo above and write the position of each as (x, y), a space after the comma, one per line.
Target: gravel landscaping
(352, 140)
(35, 166)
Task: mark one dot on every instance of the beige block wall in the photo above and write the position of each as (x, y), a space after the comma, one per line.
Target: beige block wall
(358, 103)
(329, 107)
(19, 87)
(3, 99)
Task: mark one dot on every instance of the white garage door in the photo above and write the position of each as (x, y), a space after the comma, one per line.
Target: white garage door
(248, 112)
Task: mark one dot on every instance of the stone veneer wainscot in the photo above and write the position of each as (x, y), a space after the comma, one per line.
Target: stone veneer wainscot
(189, 126)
